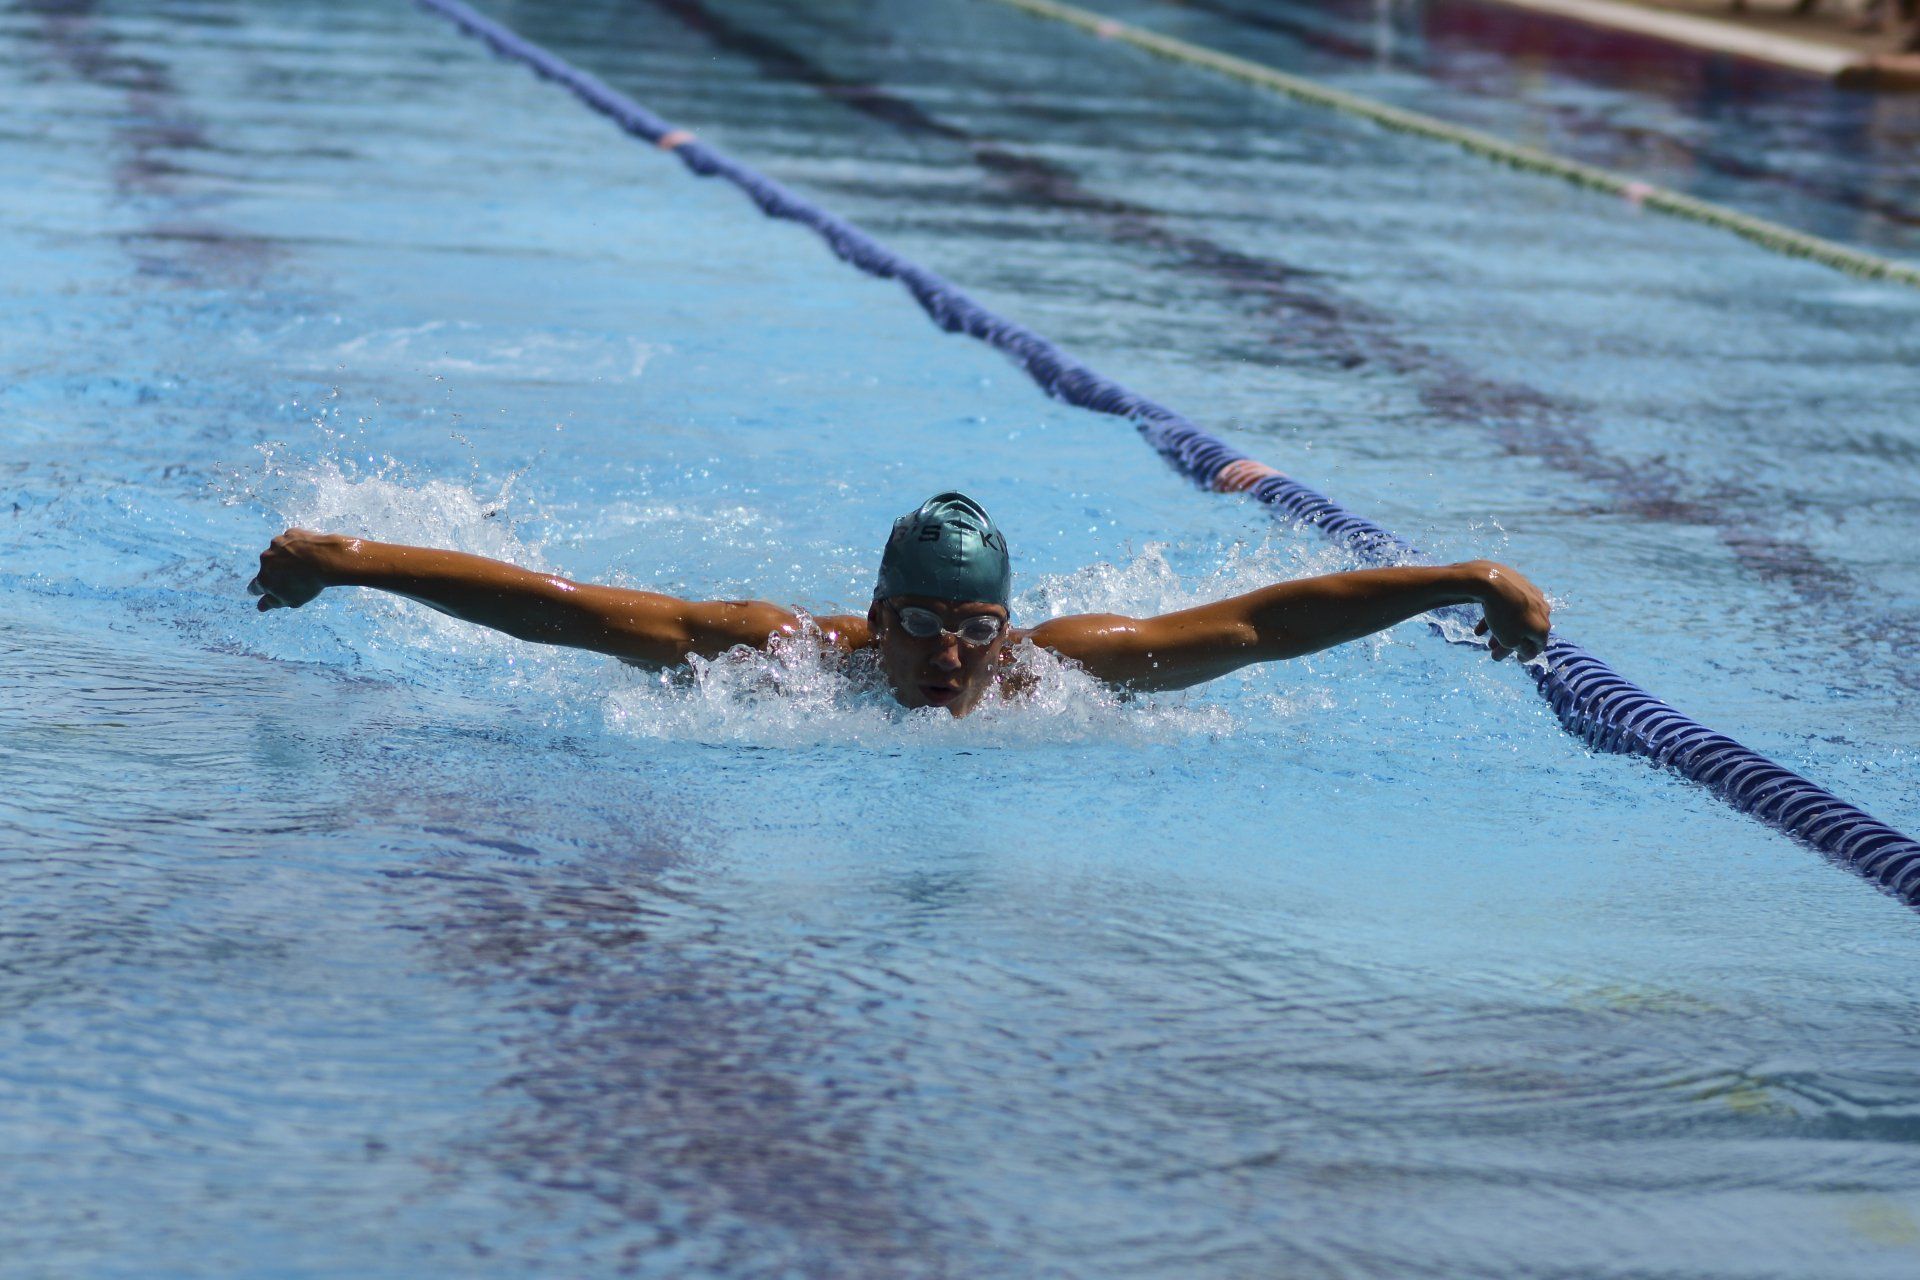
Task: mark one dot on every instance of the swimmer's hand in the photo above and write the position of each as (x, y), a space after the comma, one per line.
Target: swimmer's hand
(1517, 613)
(293, 568)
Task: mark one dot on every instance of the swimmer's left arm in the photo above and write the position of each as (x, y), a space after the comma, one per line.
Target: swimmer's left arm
(1288, 619)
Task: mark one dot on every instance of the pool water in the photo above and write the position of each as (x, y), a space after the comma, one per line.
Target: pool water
(355, 941)
(1772, 142)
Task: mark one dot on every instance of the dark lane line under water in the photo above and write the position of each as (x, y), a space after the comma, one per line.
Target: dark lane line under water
(181, 241)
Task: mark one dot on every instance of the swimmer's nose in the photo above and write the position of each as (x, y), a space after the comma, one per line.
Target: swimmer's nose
(947, 656)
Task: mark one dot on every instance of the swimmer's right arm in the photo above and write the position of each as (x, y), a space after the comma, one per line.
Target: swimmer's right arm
(637, 626)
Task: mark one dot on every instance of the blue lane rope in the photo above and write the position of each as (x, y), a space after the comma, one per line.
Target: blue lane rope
(1593, 702)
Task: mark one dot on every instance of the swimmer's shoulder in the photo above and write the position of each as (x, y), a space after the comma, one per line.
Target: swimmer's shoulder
(847, 632)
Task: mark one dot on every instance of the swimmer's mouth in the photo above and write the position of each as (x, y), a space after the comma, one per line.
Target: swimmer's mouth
(939, 695)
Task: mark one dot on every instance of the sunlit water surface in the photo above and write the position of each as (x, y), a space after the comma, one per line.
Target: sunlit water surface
(355, 941)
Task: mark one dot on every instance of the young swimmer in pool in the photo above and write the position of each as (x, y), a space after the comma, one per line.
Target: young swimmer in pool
(938, 624)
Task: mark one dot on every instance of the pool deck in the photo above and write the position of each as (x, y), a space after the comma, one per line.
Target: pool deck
(1825, 42)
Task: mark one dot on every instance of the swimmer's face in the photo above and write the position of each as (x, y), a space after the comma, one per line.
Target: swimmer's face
(940, 670)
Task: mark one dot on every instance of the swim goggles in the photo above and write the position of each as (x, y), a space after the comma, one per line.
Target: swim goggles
(923, 624)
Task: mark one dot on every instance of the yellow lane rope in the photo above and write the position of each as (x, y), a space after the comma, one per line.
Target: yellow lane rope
(1531, 159)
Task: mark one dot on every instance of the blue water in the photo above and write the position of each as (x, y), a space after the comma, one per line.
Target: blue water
(354, 941)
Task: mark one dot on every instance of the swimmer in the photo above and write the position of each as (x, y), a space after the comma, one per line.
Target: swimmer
(939, 624)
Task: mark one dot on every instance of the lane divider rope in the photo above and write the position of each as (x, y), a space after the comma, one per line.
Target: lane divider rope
(1592, 701)
(1639, 194)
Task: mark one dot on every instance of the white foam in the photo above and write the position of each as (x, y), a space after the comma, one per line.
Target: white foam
(803, 693)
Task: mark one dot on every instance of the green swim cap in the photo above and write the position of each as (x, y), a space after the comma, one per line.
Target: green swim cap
(947, 550)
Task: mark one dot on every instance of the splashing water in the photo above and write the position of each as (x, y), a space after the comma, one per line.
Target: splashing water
(798, 692)
(387, 502)
(1149, 582)
(801, 692)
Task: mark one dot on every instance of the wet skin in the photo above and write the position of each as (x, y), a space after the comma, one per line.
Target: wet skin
(1168, 651)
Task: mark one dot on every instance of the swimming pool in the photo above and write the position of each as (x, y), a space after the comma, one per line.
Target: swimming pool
(357, 941)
